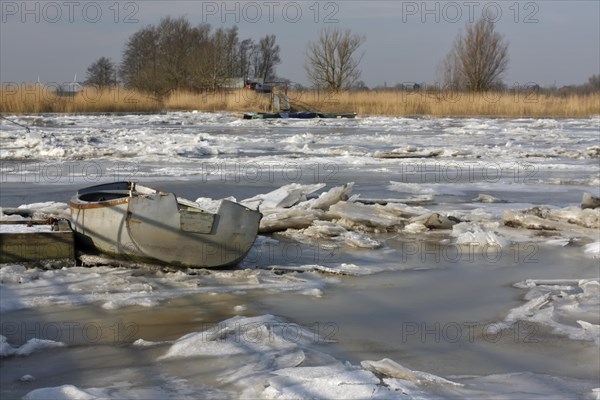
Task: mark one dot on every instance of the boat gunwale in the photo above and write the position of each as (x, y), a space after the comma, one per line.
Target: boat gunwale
(81, 205)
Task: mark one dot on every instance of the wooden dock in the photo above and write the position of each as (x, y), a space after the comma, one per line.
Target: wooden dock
(29, 241)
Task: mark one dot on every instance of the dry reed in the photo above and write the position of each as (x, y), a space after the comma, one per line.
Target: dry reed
(43, 99)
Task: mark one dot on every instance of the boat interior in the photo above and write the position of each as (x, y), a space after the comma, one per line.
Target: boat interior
(100, 196)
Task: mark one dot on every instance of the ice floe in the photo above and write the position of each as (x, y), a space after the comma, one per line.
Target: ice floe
(36, 211)
(31, 346)
(478, 234)
(270, 357)
(568, 307)
(283, 197)
(279, 360)
(568, 221)
(171, 389)
(119, 287)
(592, 249)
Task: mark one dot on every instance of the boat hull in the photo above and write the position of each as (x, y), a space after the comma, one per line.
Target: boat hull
(156, 227)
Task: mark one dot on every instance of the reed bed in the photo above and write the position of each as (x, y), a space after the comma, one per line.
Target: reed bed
(44, 99)
(41, 99)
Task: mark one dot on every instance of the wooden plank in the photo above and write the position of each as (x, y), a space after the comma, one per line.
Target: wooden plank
(36, 246)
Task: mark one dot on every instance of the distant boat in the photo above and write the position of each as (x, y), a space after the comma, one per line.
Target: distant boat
(137, 223)
(297, 115)
(335, 115)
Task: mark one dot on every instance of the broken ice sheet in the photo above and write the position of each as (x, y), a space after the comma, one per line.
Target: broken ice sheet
(269, 357)
(31, 346)
(569, 307)
(478, 234)
(568, 221)
(283, 197)
(120, 287)
(334, 233)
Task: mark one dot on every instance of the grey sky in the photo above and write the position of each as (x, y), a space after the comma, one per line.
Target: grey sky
(550, 42)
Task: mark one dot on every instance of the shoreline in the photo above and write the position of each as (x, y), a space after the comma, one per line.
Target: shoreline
(393, 103)
(240, 114)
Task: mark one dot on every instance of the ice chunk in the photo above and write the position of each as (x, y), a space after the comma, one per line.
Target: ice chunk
(211, 205)
(342, 269)
(589, 201)
(416, 188)
(486, 198)
(415, 227)
(569, 307)
(240, 308)
(324, 229)
(285, 196)
(275, 220)
(65, 392)
(5, 348)
(31, 346)
(476, 234)
(47, 209)
(565, 220)
(592, 249)
(337, 233)
(366, 216)
(325, 382)
(168, 388)
(360, 240)
(333, 196)
(241, 335)
(264, 343)
(390, 369)
(409, 152)
(435, 221)
(146, 343)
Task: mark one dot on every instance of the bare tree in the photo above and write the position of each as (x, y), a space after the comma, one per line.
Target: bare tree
(478, 59)
(594, 83)
(448, 71)
(102, 73)
(244, 58)
(218, 67)
(200, 58)
(139, 66)
(174, 55)
(332, 62)
(176, 42)
(267, 56)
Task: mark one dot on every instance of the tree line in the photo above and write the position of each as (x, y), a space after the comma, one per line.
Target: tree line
(176, 55)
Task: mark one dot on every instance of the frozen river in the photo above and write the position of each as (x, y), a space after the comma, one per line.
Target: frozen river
(452, 259)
